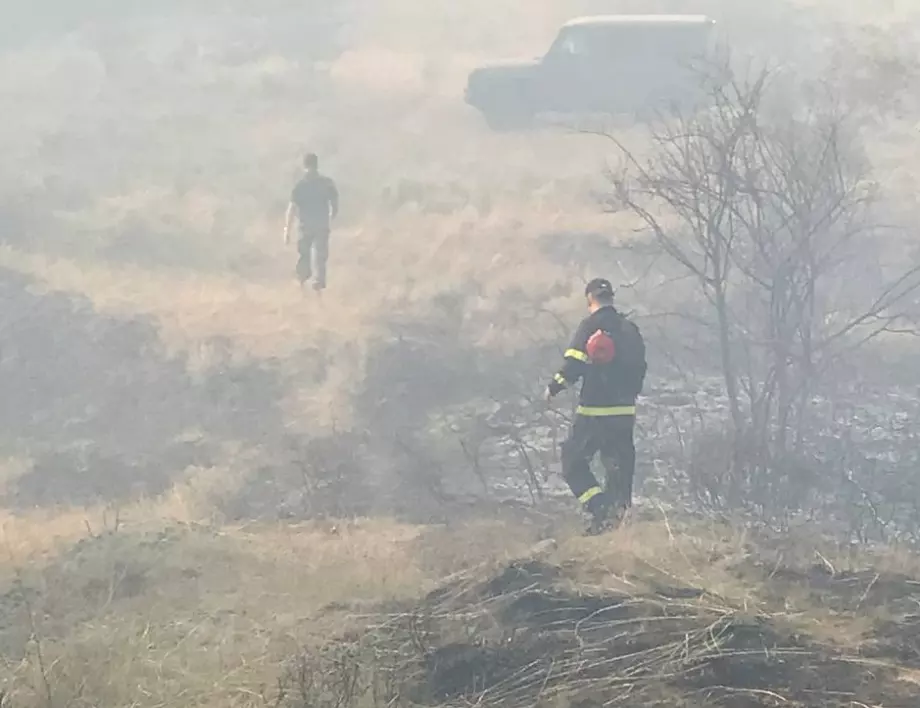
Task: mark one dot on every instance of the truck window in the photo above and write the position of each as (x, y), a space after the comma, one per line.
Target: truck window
(624, 43)
(571, 42)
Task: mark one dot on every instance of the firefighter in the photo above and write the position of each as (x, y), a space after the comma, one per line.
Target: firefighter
(315, 203)
(608, 355)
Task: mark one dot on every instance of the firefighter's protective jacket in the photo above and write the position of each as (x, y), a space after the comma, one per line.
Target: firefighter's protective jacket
(606, 389)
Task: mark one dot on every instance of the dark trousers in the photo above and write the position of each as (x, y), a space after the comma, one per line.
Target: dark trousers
(612, 437)
(313, 248)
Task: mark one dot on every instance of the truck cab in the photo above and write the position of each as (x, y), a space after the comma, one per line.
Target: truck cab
(608, 64)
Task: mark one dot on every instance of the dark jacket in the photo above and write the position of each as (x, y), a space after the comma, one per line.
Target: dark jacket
(606, 389)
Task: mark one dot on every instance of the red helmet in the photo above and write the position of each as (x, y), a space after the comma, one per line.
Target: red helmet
(601, 348)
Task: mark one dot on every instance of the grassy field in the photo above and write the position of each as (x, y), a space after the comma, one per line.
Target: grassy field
(160, 613)
(164, 381)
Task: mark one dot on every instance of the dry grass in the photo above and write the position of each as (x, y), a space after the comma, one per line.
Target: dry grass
(605, 620)
(157, 614)
(182, 610)
(153, 614)
(741, 572)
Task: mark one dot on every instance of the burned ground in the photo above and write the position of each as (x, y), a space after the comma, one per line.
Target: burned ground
(104, 411)
(530, 633)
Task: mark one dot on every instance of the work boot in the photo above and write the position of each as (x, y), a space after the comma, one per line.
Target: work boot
(619, 516)
(598, 510)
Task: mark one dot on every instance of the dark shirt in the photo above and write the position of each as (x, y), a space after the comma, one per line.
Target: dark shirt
(316, 199)
(618, 383)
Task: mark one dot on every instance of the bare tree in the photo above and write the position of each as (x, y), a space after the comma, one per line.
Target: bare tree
(768, 208)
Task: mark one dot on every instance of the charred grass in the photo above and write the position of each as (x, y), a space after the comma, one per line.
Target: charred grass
(537, 632)
(617, 622)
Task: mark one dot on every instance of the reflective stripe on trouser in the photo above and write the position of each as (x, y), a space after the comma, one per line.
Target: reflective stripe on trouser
(590, 494)
(560, 379)
(601, 411)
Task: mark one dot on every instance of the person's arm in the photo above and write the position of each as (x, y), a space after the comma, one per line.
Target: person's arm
(333, 200)
(289, 222)
(574, 364)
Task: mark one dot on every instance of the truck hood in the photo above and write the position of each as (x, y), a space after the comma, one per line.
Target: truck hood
(495, 81)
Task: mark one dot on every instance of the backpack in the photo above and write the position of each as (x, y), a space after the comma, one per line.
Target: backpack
(601, 349)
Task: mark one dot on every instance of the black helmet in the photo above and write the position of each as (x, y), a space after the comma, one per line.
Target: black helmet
(599, 287)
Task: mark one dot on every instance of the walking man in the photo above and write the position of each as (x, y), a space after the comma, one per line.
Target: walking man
(315, 203)
(607, 354)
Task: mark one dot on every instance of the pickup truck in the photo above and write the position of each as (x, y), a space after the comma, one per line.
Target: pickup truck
(609, 64)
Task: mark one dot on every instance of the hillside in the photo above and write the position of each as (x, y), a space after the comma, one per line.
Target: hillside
(375, 613)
